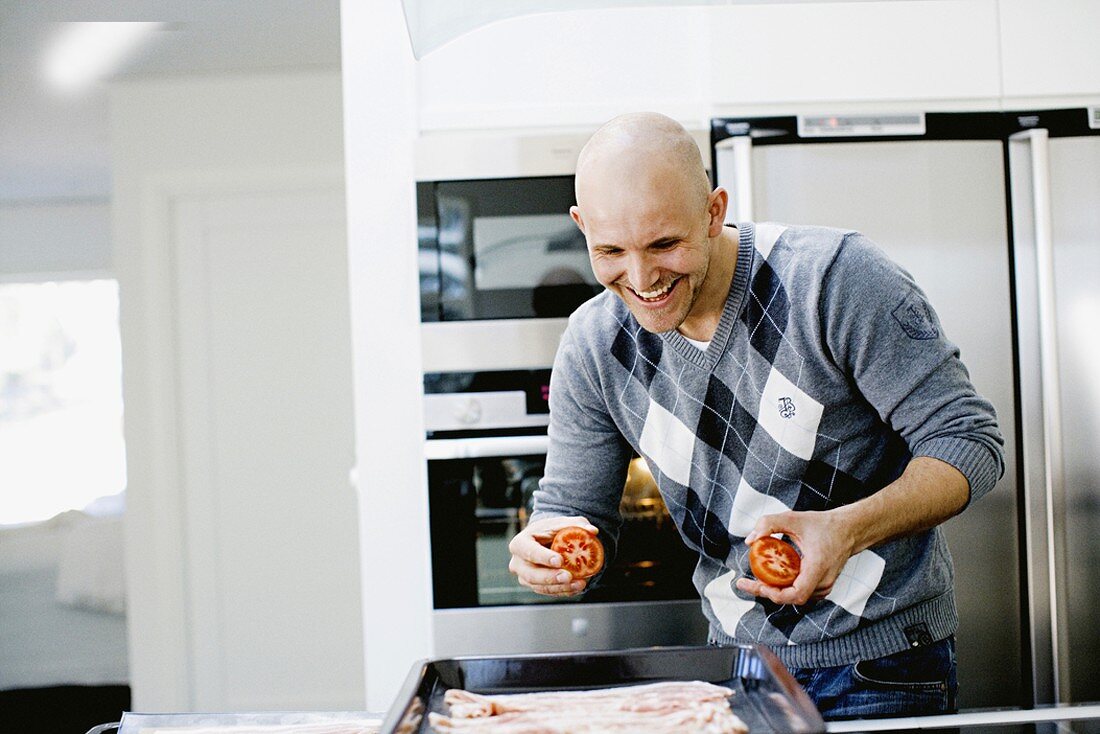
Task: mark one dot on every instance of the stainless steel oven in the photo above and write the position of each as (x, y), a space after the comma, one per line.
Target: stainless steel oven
(486, 449)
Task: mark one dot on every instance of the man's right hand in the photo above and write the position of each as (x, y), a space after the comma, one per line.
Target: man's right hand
(539, 568)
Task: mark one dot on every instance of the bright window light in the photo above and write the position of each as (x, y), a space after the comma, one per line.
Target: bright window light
(83, 53)
(61, 444)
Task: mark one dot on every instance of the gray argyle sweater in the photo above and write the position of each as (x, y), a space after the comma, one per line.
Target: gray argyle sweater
(828, 372)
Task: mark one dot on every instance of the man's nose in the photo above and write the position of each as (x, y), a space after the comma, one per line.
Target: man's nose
(641, 271)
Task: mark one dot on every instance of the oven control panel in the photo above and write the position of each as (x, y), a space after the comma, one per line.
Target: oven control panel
(486, 401)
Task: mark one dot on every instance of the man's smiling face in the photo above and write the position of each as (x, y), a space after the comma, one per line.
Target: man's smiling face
(652, 252)
(653, 224)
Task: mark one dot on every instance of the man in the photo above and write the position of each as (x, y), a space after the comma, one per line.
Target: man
(777, 380)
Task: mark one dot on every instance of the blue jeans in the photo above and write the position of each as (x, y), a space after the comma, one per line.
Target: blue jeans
(914, 682)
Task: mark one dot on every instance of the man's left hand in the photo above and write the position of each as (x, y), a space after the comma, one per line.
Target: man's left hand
(825, 547)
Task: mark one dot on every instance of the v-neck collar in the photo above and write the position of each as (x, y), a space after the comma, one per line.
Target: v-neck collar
(739, 286)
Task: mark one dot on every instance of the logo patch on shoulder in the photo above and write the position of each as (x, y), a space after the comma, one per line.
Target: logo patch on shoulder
(915, 317)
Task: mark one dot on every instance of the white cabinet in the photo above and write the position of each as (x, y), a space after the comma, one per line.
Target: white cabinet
(583, 67)
(1050, 48)
(568, 68)
(791, 53)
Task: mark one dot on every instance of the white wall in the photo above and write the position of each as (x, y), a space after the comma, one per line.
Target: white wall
(43, 239)
(380, 122)
(242, 562)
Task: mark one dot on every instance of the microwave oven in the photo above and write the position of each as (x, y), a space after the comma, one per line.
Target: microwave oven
(495, 239)
(502, 248)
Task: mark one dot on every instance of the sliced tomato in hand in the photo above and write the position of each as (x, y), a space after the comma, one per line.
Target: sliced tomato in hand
(774, 561)
(580, 550)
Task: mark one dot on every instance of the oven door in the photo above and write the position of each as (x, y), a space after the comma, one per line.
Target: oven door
(480, 496)
(501, 249)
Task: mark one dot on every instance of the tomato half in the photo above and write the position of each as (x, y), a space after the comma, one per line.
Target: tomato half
(580, 550)
(774, 561)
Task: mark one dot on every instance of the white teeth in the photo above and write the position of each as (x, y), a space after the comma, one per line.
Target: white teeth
(650, 295)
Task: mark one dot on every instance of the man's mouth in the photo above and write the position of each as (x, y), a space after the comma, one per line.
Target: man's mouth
(657, 294)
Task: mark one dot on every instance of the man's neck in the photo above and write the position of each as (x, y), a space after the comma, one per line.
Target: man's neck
(702, 322)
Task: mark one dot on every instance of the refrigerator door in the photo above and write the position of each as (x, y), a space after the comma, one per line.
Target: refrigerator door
(1055, 184)
(938, 208)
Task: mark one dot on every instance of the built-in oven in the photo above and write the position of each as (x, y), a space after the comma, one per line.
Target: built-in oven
(502, 265)
(486, 450)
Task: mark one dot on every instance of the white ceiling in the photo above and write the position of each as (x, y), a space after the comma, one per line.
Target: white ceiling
(55, 147)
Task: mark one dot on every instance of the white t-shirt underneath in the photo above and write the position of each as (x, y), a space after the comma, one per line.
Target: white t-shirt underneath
(698, 344)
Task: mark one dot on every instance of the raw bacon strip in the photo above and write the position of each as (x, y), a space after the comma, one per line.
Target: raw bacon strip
(646, 697)
(709, 718)
(673, 706)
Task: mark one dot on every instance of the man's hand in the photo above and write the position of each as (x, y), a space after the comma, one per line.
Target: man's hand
(825, 546)
(928, 492)
(539, 568)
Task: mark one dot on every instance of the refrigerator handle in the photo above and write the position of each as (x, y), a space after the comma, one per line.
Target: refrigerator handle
(1038, 142)
(742, 157)
(734, 162)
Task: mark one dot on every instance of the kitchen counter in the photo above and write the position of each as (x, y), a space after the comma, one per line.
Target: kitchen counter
(1086, 716)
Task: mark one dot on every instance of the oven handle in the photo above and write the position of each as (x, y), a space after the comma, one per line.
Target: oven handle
(483, 446)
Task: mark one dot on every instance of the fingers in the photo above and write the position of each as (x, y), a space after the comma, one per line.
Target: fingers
(782, 522)
(801, 591)
(797, 595)
(750, 586)
(813, 583)
(824, 548)
(531, 544)
(789, 595)
(539, 568)
(526, 548)
(570, 589)
(532, 575)
(547, 581)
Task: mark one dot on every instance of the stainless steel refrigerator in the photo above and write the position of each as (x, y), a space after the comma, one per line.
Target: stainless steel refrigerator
(997, 216)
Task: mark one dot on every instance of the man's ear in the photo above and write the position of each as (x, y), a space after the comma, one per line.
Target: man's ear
(717, 203)
(575, 213)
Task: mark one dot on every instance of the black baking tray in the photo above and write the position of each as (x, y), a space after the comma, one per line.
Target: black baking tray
(766, 696)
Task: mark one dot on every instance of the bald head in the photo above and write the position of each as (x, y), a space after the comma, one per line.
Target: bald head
(653, 227)
(642, 149)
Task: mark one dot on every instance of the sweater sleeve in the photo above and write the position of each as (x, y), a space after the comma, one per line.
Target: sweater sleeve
(882, 331)
(587, 457)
